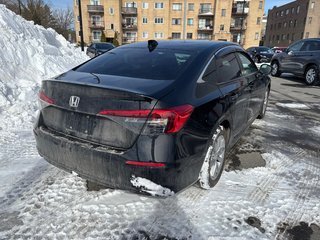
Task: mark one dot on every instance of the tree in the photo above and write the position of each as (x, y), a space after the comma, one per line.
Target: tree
(103, 37)
(115, 41)
(40, 13)
(63, 18)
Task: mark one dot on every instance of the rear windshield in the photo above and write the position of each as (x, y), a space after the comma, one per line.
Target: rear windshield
(103, 46)
(160, 64)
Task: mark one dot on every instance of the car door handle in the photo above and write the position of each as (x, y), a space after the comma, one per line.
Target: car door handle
(234, 96)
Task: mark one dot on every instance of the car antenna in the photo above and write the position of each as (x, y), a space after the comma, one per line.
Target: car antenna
(152, 45)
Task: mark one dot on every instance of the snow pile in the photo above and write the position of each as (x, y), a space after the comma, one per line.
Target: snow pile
(28, 54)
(150, 187)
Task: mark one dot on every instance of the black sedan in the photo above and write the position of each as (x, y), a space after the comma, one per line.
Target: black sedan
(96, 49)
(164, 112)
(260, 54)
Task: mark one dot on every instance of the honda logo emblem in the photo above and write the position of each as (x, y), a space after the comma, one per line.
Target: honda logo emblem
(74, 101)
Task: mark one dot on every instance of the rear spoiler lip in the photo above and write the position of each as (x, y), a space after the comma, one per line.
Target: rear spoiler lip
(147, 97)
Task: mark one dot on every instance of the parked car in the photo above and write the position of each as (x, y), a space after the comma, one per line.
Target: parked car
(164, 111)
(260, 54)
(278, 49)
(302, 58)
(96, 49)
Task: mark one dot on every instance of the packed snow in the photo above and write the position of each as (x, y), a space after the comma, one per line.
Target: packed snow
(293, 105)
(39, 201)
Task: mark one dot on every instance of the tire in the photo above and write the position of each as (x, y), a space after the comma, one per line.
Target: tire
(311, 75)
(214, 159)
(275, 69)
(264, 104)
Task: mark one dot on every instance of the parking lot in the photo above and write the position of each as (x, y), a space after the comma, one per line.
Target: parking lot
(270, 188)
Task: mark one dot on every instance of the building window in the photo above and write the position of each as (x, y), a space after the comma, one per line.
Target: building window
(258, 20)
(176, 35)
(176, 21)
(111, 26)
(292, 10)
(295, 23)
(290, 23)
(287, 11)
(95, 2)
(111, 11)
(310, 20)
(145, 35)
(312, 5)
(96, 36)
(288, 36)
(283, 37)
(292, 37)
(158, 35)
(278, 37)
(281, 14)
(277, 14)
(145, 5)
(307, 34)
(279, 25)
(223, 12)
(190, 6)
(158, 5)
(298, 9)
(284, 24)
(189, 35)
(260, 4)
(256, 37)
(271, 27)
(177, 6)
(158, 20)
(190, 21)
(221, 27)
(144, 20)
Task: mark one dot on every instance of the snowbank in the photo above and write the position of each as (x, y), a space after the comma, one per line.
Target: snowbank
(28, 54)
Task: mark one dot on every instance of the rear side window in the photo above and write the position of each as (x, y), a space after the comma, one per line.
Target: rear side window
(160, 64)
(227, 68)
(311, 46)
(248, 67)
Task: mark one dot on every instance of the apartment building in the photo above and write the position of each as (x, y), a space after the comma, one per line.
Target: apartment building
(131, 21)
(293, 21)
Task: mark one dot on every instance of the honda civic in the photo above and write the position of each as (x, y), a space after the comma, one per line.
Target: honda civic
(165, 112)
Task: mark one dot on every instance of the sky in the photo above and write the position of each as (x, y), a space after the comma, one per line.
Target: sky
(65, 3)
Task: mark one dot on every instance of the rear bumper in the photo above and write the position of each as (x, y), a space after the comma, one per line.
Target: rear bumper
(108, 167)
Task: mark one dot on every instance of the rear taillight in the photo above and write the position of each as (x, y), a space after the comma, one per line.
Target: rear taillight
(157, 120)
(45, 98)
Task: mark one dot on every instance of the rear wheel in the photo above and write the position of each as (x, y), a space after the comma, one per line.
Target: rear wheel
(311, 75)
(275, 69)
(214, 160)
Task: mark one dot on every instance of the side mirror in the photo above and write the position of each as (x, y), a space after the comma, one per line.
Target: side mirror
(265, 69)
(290, 53)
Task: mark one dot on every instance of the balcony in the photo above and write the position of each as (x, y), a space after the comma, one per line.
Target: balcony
(96, 24)
(95, 8)
(204, 37)
(240, 11)
(206, 28)
(206, 12)
(129, 10)
(127, 40)
(237, 27)
(126, 26)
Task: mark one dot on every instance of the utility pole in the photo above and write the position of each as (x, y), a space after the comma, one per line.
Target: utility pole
(81, 28)
(184, 20)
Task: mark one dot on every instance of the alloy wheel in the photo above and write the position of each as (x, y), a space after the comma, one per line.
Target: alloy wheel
(310, 75)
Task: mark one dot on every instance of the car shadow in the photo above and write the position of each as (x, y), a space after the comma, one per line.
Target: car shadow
(298, 82)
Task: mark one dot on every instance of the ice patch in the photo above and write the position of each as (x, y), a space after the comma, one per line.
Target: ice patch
(293, 105)
(150, 187)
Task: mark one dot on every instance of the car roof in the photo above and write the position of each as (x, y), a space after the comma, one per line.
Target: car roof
(185, 44)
